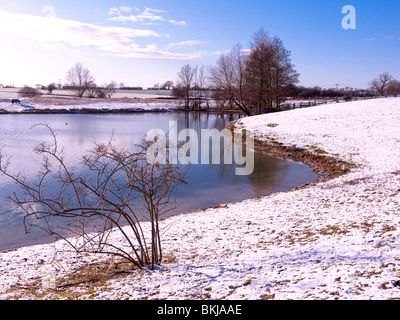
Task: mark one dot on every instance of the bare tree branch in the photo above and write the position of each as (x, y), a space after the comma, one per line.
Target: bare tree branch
(108, 194)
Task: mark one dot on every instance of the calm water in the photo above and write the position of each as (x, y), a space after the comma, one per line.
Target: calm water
(209, 185)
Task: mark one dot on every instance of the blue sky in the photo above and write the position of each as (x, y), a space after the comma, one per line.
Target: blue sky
(145, 42)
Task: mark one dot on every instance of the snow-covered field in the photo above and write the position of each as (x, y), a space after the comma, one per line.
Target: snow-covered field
(64, 100)
(12, 93)
(101, 105)
(333, 240)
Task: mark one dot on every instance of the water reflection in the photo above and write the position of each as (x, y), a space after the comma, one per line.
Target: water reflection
(209, 184)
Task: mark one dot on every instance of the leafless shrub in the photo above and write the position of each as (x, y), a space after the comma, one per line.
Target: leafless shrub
(104, 198)
(29, 92)
(110, 89)
(101, 93)
(92, 90)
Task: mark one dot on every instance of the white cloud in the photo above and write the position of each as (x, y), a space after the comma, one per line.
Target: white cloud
(391, 37)
(189, 43)
(148, 15)
(119, 10)
(177, 23)
(51, 31)
(219, 52)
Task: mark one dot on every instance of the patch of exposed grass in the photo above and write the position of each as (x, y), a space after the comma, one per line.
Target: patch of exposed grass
(332, 230)
(220, 206)
(318, 150)
(81, 282)
(268, 297)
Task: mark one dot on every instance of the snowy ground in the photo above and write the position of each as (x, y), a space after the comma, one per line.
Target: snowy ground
(12, 93)
(333, 240)
(6, 105)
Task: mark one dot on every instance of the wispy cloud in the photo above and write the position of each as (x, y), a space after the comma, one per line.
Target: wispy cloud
(147, 16)
(384, 38)
(177, 23)
(119, 10)
(54, 31)
(189, 43)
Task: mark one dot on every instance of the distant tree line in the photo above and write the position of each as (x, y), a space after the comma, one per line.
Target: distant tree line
(259, 79)
(130, 88)
(80, 80)
(301, 92)
(255, 80)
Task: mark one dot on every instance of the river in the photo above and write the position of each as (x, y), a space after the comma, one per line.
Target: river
(209, 184)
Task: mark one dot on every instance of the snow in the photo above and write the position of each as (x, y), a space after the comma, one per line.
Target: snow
(12, 93)
(6, 105)
(331, 240)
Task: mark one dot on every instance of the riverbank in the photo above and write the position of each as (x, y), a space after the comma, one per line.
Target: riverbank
(335, 239)
(85, 105)
(73, 105)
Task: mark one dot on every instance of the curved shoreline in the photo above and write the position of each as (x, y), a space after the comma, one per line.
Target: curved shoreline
(324, 166)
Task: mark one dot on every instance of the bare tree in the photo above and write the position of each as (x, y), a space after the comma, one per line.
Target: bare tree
(199, 84)
(259, 69)
(284, 76)
(168, 85)
(381, 83)
(116, 191)
(186, 80)
(179, 92)
(220, 100)
(80, 79)
(255, 80)
(394, 87)
(51, 87)
(228, 78)
(269, 72)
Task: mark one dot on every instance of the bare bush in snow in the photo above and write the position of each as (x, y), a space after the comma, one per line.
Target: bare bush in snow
(113, 191)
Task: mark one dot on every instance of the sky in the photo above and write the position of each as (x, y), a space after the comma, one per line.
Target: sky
(146, 42)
